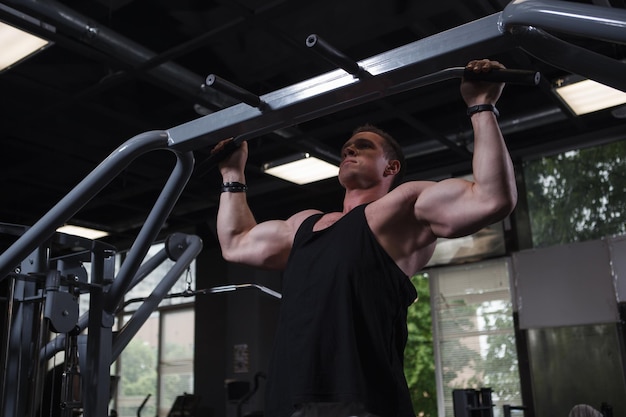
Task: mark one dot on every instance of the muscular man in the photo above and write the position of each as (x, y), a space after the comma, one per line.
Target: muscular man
(342, 327)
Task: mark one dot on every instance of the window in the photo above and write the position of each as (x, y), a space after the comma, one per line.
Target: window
(577, 195)
(474, 332)
(176, 359)
(137, 368)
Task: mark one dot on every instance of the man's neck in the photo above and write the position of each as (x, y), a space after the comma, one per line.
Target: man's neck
(356, 197)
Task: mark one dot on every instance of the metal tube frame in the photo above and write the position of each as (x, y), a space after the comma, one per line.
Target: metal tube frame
(96, 355)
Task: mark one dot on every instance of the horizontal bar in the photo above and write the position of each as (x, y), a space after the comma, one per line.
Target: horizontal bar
(400, 69)
(337, 90)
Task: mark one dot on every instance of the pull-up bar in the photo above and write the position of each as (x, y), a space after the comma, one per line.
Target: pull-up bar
(391, 72)
(417, 64)
(342, 61)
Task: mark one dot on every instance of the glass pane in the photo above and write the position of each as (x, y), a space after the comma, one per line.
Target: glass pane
(577, 195)
(176, 364)
(485, 243)
(137, 368)
(475, 332)
(577, 365)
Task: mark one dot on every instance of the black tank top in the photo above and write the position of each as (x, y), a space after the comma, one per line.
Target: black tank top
(342, 326)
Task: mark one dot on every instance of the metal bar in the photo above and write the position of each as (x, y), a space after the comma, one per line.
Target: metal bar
(96, 360)
(234, 91)
(572, 58)
(525, 20)
(334, 56)
(234, 287)
(169, 74)
(337, 90)
(79, 196)
(149, 231)
(7, 344)
(596, 22)
(95, 352)
(20, 371)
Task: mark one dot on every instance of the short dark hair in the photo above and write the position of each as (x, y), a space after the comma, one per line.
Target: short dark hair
(392, 149)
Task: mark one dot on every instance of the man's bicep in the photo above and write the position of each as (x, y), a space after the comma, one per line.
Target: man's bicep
(266, 245)
(447, 206)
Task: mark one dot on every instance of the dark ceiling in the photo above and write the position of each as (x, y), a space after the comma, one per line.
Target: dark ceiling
(139, 64)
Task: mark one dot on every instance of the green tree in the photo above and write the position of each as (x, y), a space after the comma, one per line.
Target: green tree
(577, 195)
(174, 384)
(419, 362)
(138, 378)
(139, 374)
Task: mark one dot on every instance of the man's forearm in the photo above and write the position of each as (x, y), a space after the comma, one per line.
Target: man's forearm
(234, 217)
(492, 166)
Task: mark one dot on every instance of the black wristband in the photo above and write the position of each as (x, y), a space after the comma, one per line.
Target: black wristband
(234, 187)
(482, 107)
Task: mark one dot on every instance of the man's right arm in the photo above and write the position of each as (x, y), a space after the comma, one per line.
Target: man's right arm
(265, 245)
(241, 238)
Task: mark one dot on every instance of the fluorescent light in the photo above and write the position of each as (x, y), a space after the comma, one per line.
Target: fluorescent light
(16, 44)
(82, 232)
(301, 169)
(587, 96)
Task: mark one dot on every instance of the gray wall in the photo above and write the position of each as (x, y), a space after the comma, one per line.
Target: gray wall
(565, 285)
(252, 317)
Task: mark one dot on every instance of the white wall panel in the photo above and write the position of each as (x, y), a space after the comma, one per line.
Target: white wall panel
(566, 285)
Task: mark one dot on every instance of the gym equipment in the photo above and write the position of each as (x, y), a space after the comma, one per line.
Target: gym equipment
(43, 293)
(42, 290)
(255, 387)
(472, 403)
(184, 406)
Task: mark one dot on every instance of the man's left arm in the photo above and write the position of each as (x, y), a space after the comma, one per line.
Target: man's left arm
(456, 207)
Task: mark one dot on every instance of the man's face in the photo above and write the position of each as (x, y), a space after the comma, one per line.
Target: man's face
(363, 160)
